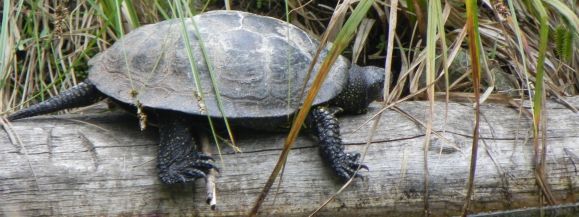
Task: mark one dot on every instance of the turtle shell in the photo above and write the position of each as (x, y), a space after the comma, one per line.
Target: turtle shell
(259, 65)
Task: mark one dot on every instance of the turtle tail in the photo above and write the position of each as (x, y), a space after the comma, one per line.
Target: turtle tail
(83, 94)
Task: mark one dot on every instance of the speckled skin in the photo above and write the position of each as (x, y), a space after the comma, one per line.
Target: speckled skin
(179, 160)
(325, 125)
(364, 85)
(83, 94)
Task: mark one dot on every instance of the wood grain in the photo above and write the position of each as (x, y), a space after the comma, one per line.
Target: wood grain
(101, 164)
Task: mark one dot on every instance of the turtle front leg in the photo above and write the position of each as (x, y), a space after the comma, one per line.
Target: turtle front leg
(179, 161)
(327, 128)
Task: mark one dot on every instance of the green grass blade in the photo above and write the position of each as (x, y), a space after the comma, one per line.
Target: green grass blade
(161, 5)
(119, 19)
(214, 84)
(131, 14)
(473, 45)
(196, 77)
(4, 44)
(431, 27)
(564, 11)
(538, 98)
(520, 47)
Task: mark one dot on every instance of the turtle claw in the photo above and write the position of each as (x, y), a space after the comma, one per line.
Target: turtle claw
(206, 162)
(345, 166)
(193, 166)
(363, 166)
(354, 158)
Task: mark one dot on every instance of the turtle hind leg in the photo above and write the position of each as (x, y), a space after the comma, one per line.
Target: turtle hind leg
(179, 161)
(327, 128)
(83, 94)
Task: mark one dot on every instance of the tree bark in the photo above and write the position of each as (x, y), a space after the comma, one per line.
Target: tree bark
(103, 165)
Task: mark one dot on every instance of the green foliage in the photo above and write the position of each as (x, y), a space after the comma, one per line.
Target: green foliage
(564, 41)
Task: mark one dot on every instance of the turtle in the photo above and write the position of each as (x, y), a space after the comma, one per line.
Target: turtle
(250, 68)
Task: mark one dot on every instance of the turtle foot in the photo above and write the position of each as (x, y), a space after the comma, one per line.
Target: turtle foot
(345, 165)
(191, 167)
(325, 125)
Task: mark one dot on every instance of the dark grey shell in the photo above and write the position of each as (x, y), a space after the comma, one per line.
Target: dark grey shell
(260, 65)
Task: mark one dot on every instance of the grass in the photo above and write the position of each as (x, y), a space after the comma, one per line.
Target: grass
(45, 46)
(48, 43)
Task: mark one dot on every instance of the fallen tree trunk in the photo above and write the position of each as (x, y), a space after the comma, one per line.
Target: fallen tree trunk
(101, 164)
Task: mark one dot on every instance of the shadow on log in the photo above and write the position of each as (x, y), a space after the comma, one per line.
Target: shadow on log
(101, 164)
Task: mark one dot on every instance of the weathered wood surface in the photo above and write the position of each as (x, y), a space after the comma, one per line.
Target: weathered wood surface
(101, 164)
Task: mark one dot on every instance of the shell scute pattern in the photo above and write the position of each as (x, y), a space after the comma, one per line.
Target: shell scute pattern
(258, 67)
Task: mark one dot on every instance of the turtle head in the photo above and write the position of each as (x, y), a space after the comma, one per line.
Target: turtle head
(365, 84)
(373, 82)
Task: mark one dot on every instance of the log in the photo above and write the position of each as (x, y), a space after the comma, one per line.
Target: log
(101, 164)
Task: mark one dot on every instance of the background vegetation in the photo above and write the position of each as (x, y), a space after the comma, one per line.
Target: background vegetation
(46, 44)
(523, 49)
